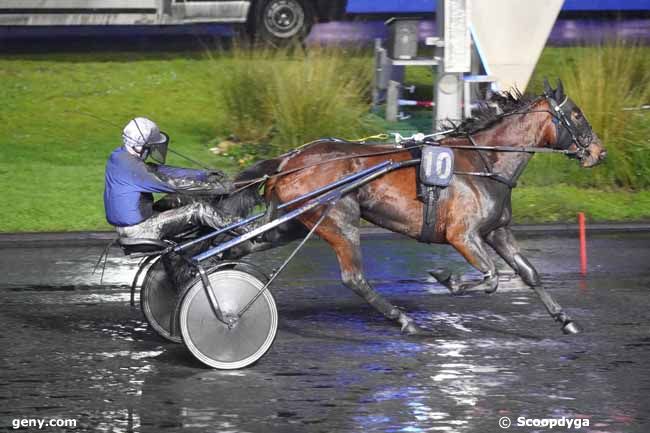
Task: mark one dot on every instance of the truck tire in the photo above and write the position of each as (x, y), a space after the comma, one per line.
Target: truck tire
(281, 22)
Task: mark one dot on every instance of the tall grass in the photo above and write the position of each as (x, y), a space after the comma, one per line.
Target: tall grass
(288, 97)
(243, 82)
(274, 100)
(603, 82)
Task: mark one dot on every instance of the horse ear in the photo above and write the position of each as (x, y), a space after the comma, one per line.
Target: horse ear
(559, 92)
(547, 87)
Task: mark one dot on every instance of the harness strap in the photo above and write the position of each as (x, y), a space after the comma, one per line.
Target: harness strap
(104, 256)
(486, 163)
(429, 214)
(247, 183)
(493, 176)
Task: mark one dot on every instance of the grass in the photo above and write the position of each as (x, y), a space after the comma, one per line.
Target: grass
(561, 203)
(52, 154)
(53, 147)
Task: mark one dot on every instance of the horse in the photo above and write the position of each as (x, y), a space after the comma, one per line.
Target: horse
(473, 213)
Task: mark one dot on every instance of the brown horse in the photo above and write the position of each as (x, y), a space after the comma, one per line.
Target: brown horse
(473, 212)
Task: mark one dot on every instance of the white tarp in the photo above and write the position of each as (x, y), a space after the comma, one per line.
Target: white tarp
(458, 54)
(510, 36)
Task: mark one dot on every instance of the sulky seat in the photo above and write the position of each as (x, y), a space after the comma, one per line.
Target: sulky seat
(143, 246)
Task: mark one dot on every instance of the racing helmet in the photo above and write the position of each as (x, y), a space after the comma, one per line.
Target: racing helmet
(144, 138)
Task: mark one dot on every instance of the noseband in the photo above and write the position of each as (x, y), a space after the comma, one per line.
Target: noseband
(581, 136)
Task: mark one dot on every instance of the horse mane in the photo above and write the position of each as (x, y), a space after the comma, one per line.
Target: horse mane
(486, 116)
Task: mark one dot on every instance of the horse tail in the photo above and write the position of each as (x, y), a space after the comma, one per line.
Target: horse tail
(243, 202)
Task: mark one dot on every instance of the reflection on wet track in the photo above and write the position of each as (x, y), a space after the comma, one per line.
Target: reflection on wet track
(75, 349)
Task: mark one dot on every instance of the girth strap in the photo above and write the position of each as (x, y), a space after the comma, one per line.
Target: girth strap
(429, 215)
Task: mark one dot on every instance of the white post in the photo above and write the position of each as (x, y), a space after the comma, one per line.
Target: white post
(452, 19)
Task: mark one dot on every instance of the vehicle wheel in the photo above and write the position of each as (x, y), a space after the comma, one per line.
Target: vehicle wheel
(158, 301)
(249, 268)
(214, 343)
(280, 22)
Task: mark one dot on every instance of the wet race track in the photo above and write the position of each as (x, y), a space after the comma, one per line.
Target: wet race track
(75, 349)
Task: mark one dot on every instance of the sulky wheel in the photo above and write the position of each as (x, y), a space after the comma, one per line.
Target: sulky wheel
(158, 301)
(239, 265)
(212, 341)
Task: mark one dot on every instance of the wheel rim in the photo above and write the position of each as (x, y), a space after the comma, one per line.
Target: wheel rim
(284, 18)
(158, 301)
(242, 266)
(211, 341)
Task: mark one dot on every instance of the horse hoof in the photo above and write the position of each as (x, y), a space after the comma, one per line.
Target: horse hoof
(411, 329)
(491, 290)
(571, 328)
(441, 275)
(408, 325)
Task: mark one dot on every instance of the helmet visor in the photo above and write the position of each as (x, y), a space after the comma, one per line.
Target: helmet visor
(158, 151)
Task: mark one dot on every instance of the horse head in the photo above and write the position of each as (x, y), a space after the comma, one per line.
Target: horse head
(572, 129)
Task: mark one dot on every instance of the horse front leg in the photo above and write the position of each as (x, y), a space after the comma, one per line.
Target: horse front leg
(472, 246)
(340, 229)
(505, 244)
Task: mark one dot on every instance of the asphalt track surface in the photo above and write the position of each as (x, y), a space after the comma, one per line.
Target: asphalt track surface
(73, 348)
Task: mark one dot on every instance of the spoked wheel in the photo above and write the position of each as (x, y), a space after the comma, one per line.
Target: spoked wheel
(213, 342)
(158, 301)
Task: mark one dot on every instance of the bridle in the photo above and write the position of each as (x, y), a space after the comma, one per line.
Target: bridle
(581, 137)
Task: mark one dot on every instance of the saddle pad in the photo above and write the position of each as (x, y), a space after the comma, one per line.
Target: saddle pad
(437, 166)
(428, 193)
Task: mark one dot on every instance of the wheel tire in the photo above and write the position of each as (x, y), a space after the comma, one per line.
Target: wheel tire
(281, 22)
(214, 343)
(249, 268)
(158, 301)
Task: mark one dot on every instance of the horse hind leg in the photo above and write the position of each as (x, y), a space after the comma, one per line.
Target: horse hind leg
(276, 237)
(472, 246)
(447, 278)
(340, 229)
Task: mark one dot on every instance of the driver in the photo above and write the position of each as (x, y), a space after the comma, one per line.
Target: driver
(130, 184)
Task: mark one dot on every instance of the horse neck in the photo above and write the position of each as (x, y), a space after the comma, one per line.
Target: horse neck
(530, 129)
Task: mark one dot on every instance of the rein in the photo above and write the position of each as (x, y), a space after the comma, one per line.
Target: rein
(557, 114)
(249, 183)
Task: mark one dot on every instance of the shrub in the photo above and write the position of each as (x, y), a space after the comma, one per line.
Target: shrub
(243, 83)
(292, 96)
